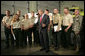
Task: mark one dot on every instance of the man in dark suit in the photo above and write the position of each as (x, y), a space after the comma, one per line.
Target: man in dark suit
(43, 23)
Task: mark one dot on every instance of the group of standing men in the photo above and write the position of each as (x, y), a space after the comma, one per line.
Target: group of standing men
(20, 29)
(49, 30)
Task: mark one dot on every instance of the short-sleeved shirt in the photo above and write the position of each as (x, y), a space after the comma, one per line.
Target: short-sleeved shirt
(32, 20)
(55, 18)
(26, 23)
(67, 19)
(21, 18)
(16, 24)
(7, 20)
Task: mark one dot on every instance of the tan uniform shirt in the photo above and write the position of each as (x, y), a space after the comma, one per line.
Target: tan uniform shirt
(7, 20)
(26, 23)
(21, 18)
(57, 19)
(67, 19)
(32, 20)
(16, 24)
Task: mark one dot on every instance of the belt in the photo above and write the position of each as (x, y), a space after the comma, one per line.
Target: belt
(17, 29)
(55, 24)
(65, 26)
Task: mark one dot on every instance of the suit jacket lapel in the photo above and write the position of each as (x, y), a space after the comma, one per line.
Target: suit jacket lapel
(42, 18)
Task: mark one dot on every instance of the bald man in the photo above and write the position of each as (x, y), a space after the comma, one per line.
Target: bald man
(19, 14)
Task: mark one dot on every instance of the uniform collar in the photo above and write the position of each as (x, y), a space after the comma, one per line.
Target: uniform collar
(26, 19)
(66, 14)
(32, 17)
(8, 17)
(56, 14)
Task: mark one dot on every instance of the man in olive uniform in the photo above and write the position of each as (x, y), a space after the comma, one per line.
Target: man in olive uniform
(6, 22)
(66, 28)
(19, 14)
(25, 25)
(37, 28)
(34, 29)
(56, 28)
(77, 22)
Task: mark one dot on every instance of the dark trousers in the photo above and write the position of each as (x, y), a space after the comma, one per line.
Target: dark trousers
(50, 37)
(44, 40)
(27, 33)
(7, 34)
(18, 36)
(66, 39)
(81, 49)
(35, 34)
(24, 36)
(57, 39)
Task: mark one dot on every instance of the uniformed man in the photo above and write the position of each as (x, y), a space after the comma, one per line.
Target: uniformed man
(56, 28)
(6, 22)
(19, 14)
(37, 28)
(16, 30)
(66, 29)
(49, 28)
(25, 25)
(34, 29)
(77, 22)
